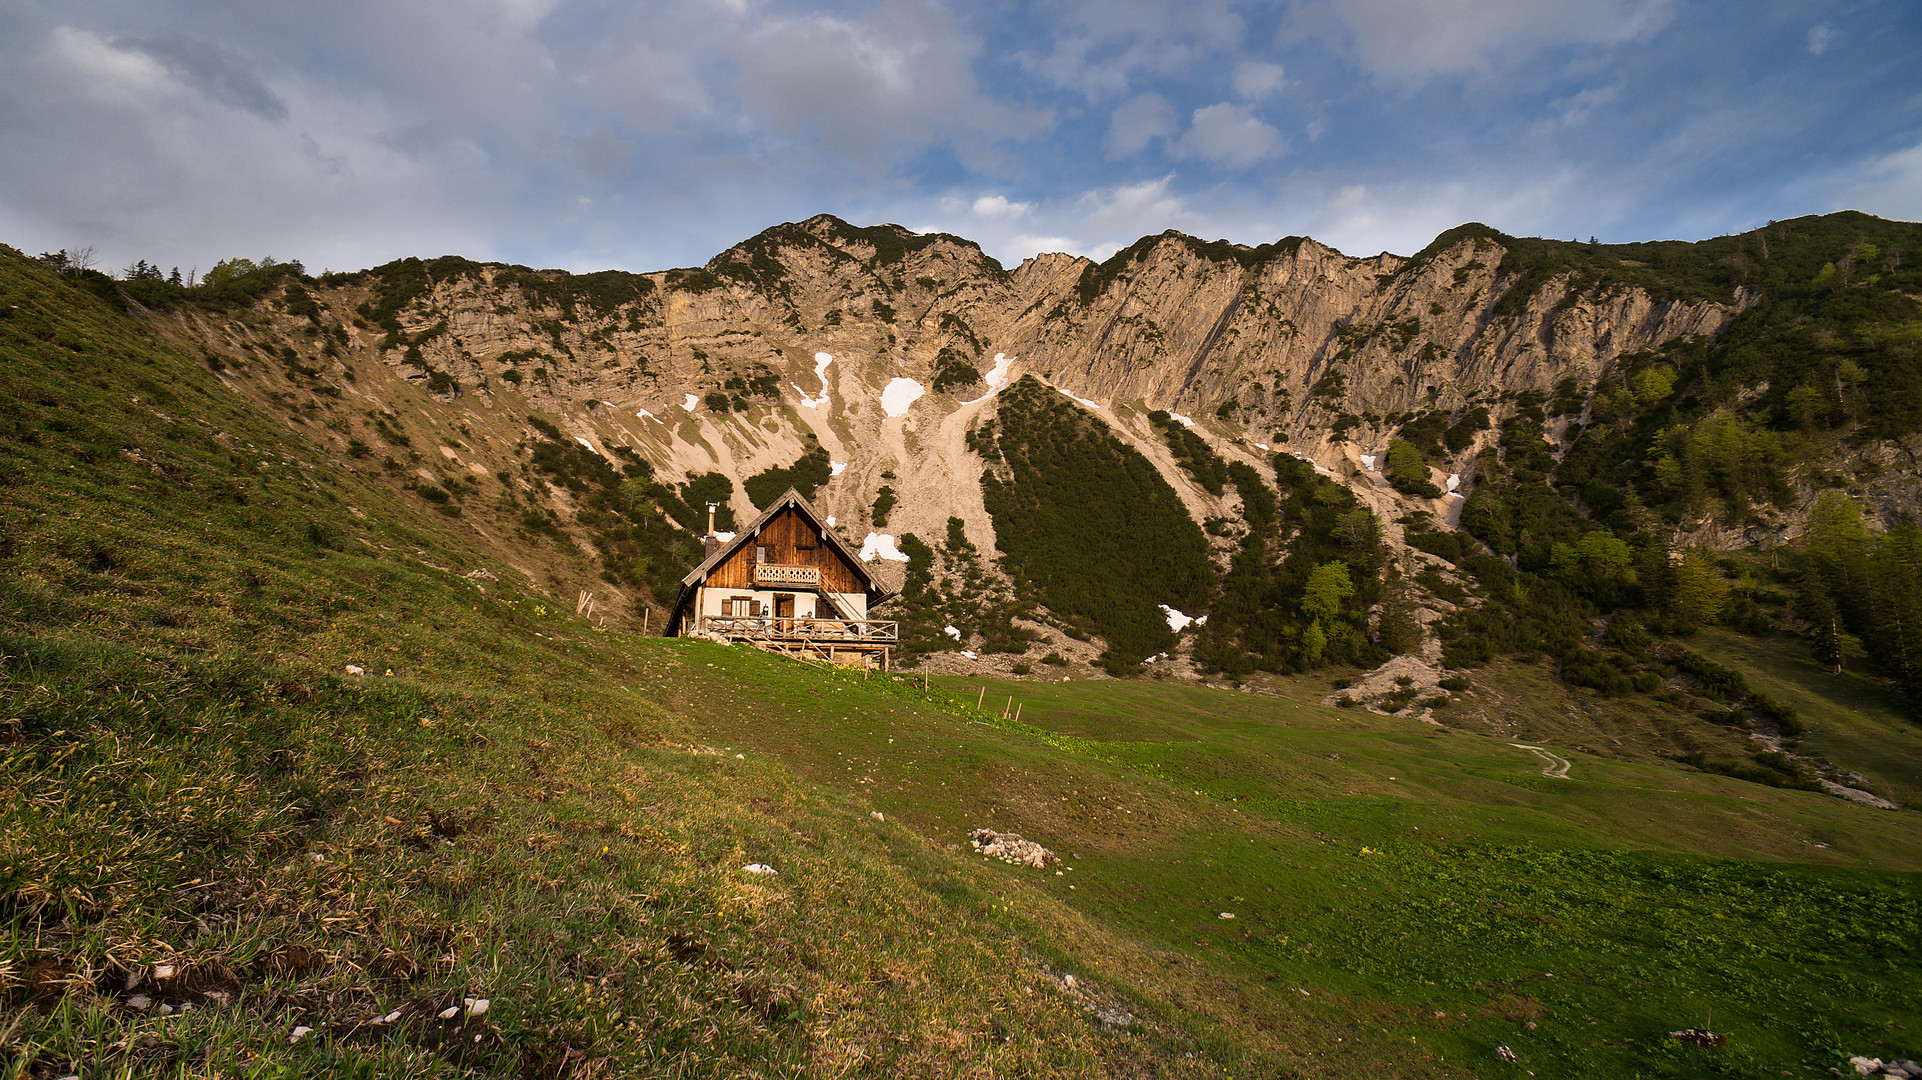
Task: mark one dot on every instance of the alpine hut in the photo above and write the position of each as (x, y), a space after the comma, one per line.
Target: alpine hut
(786, 583)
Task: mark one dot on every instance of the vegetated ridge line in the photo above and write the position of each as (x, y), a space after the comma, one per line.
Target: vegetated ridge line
(1557, 767)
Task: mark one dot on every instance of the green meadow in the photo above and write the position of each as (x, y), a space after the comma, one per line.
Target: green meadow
(1427, 886)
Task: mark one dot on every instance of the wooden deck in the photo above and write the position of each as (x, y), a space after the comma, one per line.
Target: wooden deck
(835, 641)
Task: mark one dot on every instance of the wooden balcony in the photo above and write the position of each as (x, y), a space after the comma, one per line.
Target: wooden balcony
(865, 642)
(777, 575)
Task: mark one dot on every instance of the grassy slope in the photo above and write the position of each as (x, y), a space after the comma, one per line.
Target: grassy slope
(1392, 882)
(1852, 721)
(203, 808)
(535, 813)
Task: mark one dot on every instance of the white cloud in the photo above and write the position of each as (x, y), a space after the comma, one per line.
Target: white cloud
(1230, 136)
(1027, 245)
(212, 69)
(1411, 41)
(1109, 45)
(1893, 188)
(1130, 211)
(1576, 109)
(1402, 216)
(875, 90)
(1138, 121)
(999, 207)
(1821, 35)
(1255, 79)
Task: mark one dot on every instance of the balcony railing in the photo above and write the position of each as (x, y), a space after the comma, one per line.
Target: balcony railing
(824, 631)
(778, 574)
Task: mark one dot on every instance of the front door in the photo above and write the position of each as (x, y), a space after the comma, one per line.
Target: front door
(784, 605)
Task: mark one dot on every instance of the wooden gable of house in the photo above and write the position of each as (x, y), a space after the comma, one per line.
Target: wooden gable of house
(789, 537)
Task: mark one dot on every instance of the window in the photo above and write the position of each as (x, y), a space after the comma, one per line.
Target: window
(760, 554)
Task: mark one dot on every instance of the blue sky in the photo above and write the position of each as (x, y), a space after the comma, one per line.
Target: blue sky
(590, 134)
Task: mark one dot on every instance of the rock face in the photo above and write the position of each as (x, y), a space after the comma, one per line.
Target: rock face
(786, 342)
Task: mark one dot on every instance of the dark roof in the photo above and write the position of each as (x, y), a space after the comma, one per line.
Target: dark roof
(789, 498)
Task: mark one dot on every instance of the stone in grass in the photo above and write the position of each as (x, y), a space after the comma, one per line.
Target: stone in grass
(1700, 1037)
(1011, 848)
(762, 869)
(1900, 1069)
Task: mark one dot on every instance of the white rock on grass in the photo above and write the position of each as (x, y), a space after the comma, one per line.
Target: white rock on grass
(1011, 848)
(761, 869)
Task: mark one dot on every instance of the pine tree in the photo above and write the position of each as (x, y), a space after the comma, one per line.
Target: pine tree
(1398, 630)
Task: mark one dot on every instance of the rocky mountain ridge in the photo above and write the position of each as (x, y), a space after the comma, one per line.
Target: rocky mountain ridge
(792, 340)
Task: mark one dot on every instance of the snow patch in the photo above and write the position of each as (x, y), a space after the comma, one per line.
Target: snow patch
(644, 414)
(1368, 462)
(821, 362)
(1261, 446)
(970, 654)
(587, 444)
(952, 632)
(1184, 421)
(1176, 620)
(899, 394)
(1320, 468)
(836, 468)
(1454, 481)
(688, 402)
(830, 521)
(998, 376)
(881, 546)
(1081, 400)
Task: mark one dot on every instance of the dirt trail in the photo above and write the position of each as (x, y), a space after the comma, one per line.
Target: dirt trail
(1557, 766)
